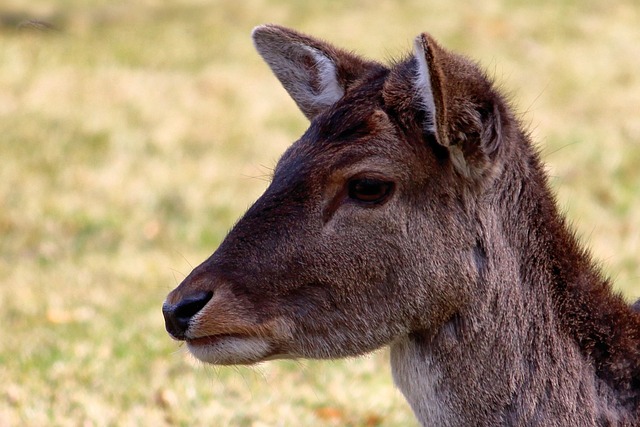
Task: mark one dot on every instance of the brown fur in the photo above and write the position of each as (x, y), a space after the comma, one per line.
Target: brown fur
(494, 313)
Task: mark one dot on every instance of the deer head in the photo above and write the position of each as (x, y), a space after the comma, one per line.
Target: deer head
(366, 232)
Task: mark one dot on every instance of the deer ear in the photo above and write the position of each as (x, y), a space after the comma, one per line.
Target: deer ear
(315, 74)
(461, 109)
(428, 82)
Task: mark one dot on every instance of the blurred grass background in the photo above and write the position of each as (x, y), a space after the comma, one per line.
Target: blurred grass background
(133, 134)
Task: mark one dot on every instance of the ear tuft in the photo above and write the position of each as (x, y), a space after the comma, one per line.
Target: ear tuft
(423, 85)
(431, 86)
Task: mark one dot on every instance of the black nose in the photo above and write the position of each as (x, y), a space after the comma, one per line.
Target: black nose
(177, 316)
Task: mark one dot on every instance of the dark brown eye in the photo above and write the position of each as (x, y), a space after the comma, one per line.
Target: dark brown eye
(369, 190)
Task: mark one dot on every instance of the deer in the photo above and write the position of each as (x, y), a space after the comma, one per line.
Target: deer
(415, 214)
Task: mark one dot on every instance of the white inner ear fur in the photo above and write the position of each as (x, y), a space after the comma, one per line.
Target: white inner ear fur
(422, 84)
(330, 90)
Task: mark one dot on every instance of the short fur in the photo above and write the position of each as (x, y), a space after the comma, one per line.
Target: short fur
(493, 312)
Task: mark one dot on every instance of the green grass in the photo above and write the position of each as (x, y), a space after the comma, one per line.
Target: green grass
(133, 137)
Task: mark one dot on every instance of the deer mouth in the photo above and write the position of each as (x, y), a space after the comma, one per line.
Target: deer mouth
(230, 349)
(212, 339)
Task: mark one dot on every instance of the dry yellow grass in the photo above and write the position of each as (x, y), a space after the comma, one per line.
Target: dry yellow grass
(133, 135)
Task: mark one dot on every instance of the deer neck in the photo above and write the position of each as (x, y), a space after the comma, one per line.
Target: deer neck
(510, 357)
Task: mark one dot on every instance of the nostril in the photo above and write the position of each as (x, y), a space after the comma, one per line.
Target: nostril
(177, 316)
(190, 306)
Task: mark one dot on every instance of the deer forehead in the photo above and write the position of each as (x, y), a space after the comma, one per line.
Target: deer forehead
(345, 141)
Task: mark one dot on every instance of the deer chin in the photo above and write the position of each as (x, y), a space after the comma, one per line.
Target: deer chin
(230, 349)
(221, 339)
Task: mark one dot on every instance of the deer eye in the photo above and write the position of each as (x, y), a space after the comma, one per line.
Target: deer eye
(369, 190)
